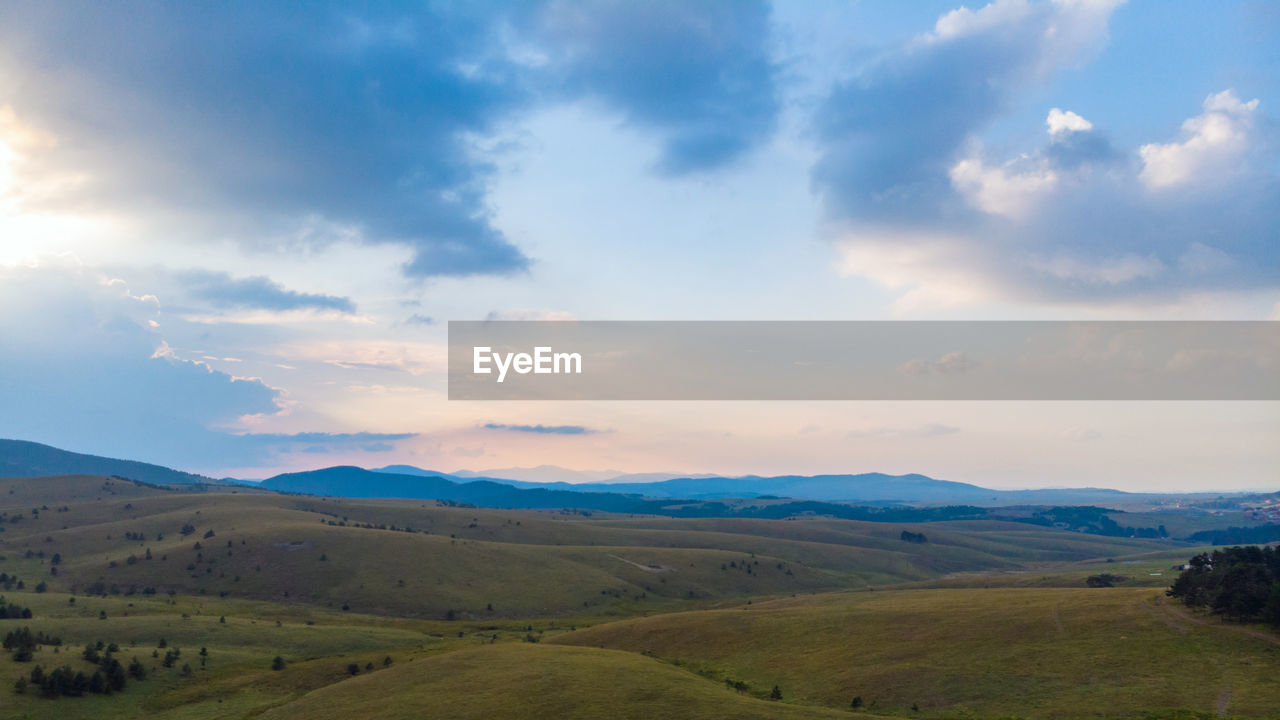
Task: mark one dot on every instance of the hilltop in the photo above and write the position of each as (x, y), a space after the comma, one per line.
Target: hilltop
(20, 458)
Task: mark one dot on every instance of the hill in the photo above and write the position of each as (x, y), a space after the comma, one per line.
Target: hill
(419, 559)
(537, 681)
(1044, 653)
(349, 481)
(449, 611)
(20, 458)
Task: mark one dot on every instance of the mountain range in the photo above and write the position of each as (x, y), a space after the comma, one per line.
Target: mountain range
(859, 488)
(621, 493)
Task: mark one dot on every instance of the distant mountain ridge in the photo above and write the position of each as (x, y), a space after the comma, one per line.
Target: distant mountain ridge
(546, 475)
(22, 458)
(861, 487)
(351, 481)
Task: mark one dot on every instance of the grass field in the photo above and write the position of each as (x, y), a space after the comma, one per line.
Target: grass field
(632, 616)
(475, 563)
(1035, 652)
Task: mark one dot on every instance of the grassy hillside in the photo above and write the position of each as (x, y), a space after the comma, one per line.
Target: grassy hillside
(454, 595)
(419, 559)
(537, 681)
(1044, 653)
(234, 677)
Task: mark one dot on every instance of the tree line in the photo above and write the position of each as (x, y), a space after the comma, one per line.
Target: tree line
(1238, 583)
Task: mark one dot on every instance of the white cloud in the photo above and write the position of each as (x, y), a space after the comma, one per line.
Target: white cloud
(1215, 143)
(932, 268)
(1075, 222)
(963, 21)
(1063, 30)
(1010, 189)
(1064, 122)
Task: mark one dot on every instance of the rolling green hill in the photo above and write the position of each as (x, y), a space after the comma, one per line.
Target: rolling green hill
(537, 681)
(433, 561)
(542, 613)
(1044, 653)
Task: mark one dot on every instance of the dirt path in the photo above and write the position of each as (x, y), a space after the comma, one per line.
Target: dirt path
(646, 568)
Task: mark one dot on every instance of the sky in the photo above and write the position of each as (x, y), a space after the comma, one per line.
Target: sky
(232, 235)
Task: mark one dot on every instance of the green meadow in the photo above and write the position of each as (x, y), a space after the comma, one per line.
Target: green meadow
(412, 609)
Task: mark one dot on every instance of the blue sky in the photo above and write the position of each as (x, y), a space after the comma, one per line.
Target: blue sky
(230, 236)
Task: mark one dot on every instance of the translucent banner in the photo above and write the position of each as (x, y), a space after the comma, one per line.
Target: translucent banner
(838, 360)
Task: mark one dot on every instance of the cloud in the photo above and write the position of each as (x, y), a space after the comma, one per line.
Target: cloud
(928, 430)
(287, 128)
(81, 366)
(323, 442)
(1062, 123)
(258, 292)
(949, 364)
(359, 125)
(420, 320)
(889, 136)
(917, 201)
(698, 75)
(526, 314)
(542, 429)
(1214, 144)
(1081, 434)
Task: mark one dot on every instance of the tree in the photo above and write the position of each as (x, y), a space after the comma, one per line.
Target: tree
(277, 663)
(776, 693)
(386, 661)
(353, 668)
(857, 702)
(1239, 583)
(20, 686)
